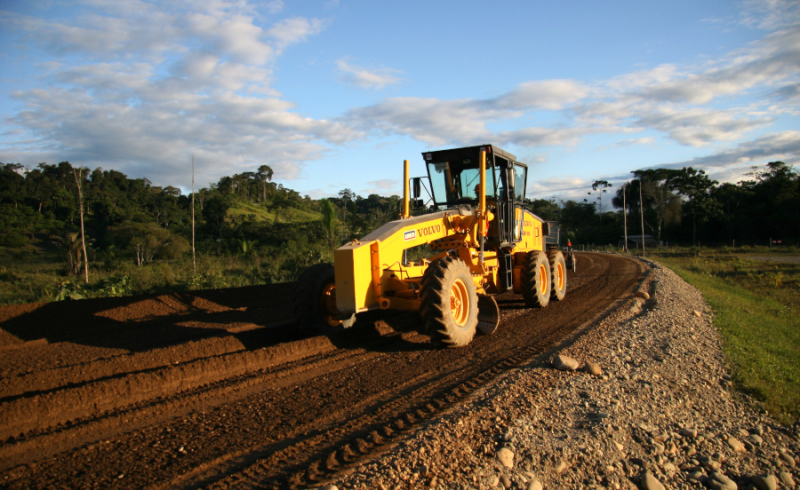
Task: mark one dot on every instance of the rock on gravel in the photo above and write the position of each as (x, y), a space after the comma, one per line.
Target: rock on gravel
(662, 405)
(650, 482)
(593, 368)
(719, 481)
(564, 363)
(535, 485)
(767, 482)
(786, 479)
(736, 444)
(506, 457)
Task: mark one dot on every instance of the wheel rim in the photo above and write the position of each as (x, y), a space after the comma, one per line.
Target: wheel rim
(543, 279)
(327, 304)
(560, 276)
(459, 302)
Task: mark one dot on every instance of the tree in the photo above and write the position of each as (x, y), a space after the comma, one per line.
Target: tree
(347, 196)
(603, 185)
(776, 198)
(696, 186)
(12, 183)
(215, 211)
(149, 240)
(265, 174)
(730, 197)
(77, 172)
(657, 190)
(329, 221)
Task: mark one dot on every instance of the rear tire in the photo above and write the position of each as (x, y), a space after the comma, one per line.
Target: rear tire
(558, 271)
(315, 301)
(449, 302)
(536, 281)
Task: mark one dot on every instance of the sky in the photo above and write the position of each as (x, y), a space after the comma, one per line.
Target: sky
(335, 94)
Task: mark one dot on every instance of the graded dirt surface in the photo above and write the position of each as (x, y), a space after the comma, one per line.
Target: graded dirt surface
(214, 389)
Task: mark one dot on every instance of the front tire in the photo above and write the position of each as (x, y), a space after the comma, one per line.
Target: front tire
(536, 282)
(315, 301)
(449, 302)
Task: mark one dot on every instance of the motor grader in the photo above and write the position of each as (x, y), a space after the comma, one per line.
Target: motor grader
(481, 241)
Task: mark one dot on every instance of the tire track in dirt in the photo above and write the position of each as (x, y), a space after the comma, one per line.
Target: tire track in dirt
(290, 421)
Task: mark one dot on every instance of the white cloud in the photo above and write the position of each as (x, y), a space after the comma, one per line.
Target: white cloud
(567, 187)
(548, 94)
(361, 77)
(784, 146)
(692, 105)
(147, 84)
(386, 184)
(294, 30)
(648, 140)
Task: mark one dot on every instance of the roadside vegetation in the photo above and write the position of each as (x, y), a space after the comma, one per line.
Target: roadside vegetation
(137, 237)
(755, 306)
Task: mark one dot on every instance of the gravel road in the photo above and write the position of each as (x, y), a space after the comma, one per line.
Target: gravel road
(659, 415)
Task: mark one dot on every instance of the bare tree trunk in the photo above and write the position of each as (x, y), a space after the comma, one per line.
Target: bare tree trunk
(194, 261)
(79, 181)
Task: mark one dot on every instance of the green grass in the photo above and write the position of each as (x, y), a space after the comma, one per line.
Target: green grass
(755, 306)
(261, 214)
(33, 275)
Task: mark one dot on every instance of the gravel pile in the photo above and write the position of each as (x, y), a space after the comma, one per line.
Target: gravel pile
(640, 400)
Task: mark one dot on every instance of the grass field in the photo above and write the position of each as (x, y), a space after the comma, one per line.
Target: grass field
(261, 214)
(755, 306)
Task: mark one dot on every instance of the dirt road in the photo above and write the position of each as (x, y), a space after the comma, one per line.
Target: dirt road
(213, 389)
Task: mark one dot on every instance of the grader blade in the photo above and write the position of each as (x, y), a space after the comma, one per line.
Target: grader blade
(488, 314)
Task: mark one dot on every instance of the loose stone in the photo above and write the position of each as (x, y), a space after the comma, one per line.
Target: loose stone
(535, 485)
(506, 457)
(788, 460)
(564, 363)
(768, 482)
(650, 482)
(718, 481)
(786, 479)
(593, 368)
(736, 444)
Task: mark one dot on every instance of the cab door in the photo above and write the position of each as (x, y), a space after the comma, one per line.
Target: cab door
(510, 200)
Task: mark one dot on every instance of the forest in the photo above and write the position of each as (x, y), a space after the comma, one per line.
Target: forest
(250, 230)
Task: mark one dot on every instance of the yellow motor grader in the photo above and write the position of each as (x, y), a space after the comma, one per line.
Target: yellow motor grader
(481, 241)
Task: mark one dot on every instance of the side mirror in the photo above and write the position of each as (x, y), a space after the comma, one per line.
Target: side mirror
(418, 203)
(416, 187)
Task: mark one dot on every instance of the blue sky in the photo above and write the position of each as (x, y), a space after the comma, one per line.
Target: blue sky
(336, 93)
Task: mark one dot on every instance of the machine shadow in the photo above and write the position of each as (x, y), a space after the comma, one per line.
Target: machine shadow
(145, 322)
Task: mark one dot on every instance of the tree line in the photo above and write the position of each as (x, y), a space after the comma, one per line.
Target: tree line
(131, 219)
(685, 207)
(247, 213)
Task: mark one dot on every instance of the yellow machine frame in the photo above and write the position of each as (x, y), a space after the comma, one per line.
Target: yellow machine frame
(370, 273)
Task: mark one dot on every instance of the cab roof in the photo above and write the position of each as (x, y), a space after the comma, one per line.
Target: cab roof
(490, 149)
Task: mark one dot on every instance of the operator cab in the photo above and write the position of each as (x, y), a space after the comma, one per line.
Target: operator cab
(455, 178)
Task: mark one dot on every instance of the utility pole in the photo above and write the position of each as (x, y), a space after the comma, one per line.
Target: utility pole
(194, 261)
(641, 213)
(625, 215)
